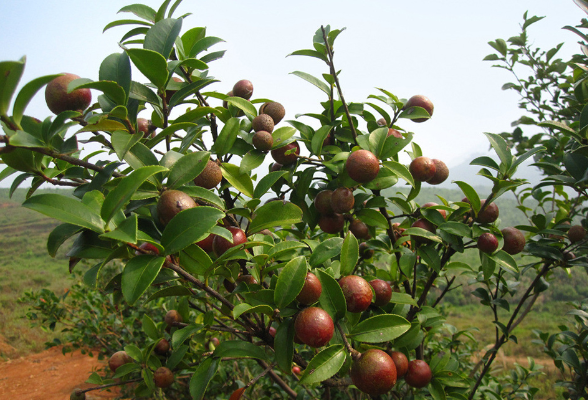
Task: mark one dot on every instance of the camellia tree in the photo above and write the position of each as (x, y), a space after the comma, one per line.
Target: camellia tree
(310, 268)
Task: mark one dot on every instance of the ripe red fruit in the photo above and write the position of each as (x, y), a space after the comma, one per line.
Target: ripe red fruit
(489, 214)
(171, 203)
(322, 202)
(342, 200)
(418, 374)
(143, 126)
(383, 292)
(163, 377)
(58, 100)
(420, 101)
(172, 317)
(422, 169)
(441, 173)
(400, 361)
(314, 327)
(374, 372)
(362, 166)
(395, 133)
(359, 229)
(162, 347)
(279, 155)
(206, 243)
(332, 223)
(514, 240)
(272, 331)
(117, 359)
(296, 370)
(147, 246)
(220, 245)
(357, 292)
(576, 233)
(311, 291)
(243, 89)
(275, 167)
(487, 243)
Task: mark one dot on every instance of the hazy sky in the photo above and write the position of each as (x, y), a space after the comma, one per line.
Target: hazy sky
(407, 47)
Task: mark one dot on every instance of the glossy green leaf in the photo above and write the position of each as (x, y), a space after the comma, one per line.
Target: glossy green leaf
(318, 139)
(402, 298)
(138, 274)
(10, 74)
(373, 218)
(325, 251)
(471, 195)
(239, 349)
(107, 125)
(188, 90)
(181, 335)
(400, 170)
(189, 226)
(195, 260)
(170, 291)
(266, 183)
(24, 139)
(150, 328)
(123, 141)
(324, 365)
(187, 168)
(125, 22)
(290, 281)
(241, 182)
(275, 213)
(143, 93)
(196, 114)
(243, 104)
(226, 138)
(380, 328)
(315, 81)
(140, 156)
(349, 254)
(203, 194)
(141, 11)
(420, 232)
(505, 261)
(202, 377)
(59, 235)
(332, 299)
(284, 345)
(26, 94)
(282, 134)
(284, 247)
(244, 308)
(310, 53)
(112, 89)
(151, 64)
(171, 129)
(122, 193)
(126, 231)
(162, 36)
(66, 209)
(500, 147)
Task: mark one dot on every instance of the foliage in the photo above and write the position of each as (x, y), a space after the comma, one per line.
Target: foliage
(245, 291)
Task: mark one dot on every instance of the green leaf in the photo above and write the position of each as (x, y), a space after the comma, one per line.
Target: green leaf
(10, 74)
(203, 194)
(123, 141)
(436, 390)
(319, 137)
(266, 183)
(203, 375)
(170, 291)
(59, 235)
(500, 46)
(203, 44)
(239, 349)
(284, 248)
(332, 299)
(195, 260)
(400, 170)
(138, 275)
(275, 213)
(112, 89)
(188, 90)
(241, 182)
(126, 231)
(24, 139)
(122, 193)
(324, 365)
(456, 228)
(162, 36)
(402, 298)
(282, 134)
(500, 147)
(141, 11)
(187, 168)
(487, 162)
(244, 308)
(381, 328)
(505, 260)
(151, 64)
(315, 81)
(173, 128)
(349, 254)
(243, 104)
(150, 328)
(377, 139)
(284, 344)
(226, 138)
(251, 160)
(189, 226)
(26, 94)
(181, 335)
(325, 251)
(471, 195)
(66, 209)
(290, 281)
(143, 93)
(310, 53)
(125, 22)
(372, 218)
(107, 125)
(420, 232)
(140, 156)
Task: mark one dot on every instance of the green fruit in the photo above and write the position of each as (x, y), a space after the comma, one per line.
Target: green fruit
(210, 177)
(263, 140)
(263, 122)
(171, 203)
(374, 372)
(59, 100)
(362, 166)
(163, 377)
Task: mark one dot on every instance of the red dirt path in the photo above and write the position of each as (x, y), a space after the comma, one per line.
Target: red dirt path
(49, 375)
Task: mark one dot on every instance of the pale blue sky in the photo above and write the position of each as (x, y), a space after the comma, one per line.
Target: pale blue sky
(408, 47)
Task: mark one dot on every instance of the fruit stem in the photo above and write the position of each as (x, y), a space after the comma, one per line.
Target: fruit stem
(354, 353)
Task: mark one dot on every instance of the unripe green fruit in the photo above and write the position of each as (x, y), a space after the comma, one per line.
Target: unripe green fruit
(374, 372)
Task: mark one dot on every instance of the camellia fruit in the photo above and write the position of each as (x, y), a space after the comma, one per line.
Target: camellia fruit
(163, 377)
(374, 372)
(263, 122)
(171, 203)
(172, 317)
(162, 347)
(359, 229)
(487, 243)
(322, 202)
(59, 100)
(357, 292)
(489, 214)
(576, 233)
(311, 291)
(362, 166)
(514, 240)
(441, 173)
(220, 245)
(400, 361)
(117, 359)
(274, 110)
(331, 223)
(314, 327)
(210, 177)
(422, 169)
(383, 292)
(426, 225)
(243, 89)
(420, 101)
(263, 140)
(279, 155)
(418, 374)
(342, 200)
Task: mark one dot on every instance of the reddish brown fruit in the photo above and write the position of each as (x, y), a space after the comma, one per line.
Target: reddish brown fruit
(148, 247)
(162, 347)
(357, 292)
(342, 200)
(220, 245)
(490, 213)
(272, 331)
(420, 101)
(322, 202)
(263, 140)
(275, 167)
(382, 122)
(362, 166)
(117, 359)
(263, 122)
(332, 223)
(280, 156)
(214, 341)
(359, 229)
(296, 370)
(243, 89)
(418, 374)
(487, 243)
(441, 173)
(365, 251)
(171, 203)
(400, 361)
(374, 372)
(143, 126)
(210, 177)
(206, 244)
(237, 394)
(514, 240)
(163, 377)
(395, 133)
(248, 279)
(383, 292)
(311, 291)
(422, 169)
(172, 317)
(58, 100)
(426, 225)
(576, 233)
(431, 204)
(314, 327)
(274, 110)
